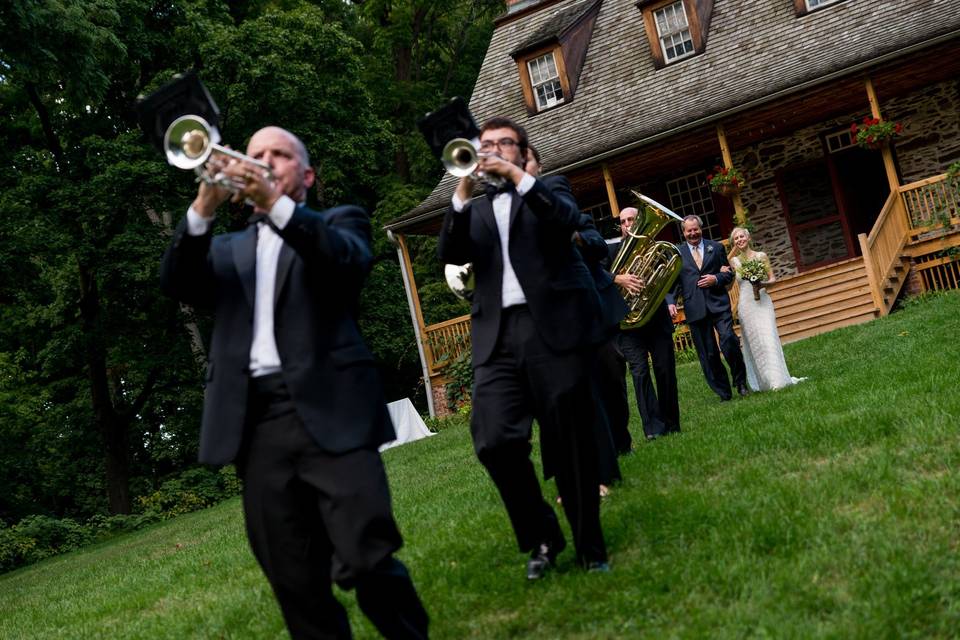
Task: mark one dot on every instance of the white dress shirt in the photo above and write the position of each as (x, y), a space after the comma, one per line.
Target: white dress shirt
(264, 356)
(511, 293)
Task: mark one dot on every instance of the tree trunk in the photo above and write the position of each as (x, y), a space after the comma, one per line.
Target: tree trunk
(112, 428)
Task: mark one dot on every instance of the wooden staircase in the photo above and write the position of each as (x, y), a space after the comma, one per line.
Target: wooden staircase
(822, 299)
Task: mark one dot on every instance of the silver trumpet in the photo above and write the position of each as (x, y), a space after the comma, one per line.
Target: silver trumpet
(461, 158)
(190, 142)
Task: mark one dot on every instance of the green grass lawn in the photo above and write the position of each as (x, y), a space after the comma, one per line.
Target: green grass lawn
(830, 509)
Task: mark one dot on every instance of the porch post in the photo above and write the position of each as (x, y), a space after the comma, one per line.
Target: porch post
(888, 163)
(416, 314)
(739, 212)
(611, 192)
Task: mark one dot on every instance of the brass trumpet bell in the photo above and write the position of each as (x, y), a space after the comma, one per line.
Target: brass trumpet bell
(190, 141)
(187, 142)
(460, 157)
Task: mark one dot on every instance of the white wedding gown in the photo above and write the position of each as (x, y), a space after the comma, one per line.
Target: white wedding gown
(762, 351)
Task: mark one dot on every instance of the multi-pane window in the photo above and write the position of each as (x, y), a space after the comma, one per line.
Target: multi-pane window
(607, 225)
(840, 140)
(690, 195)
(815, 4)
(674, 31)
(545, 81)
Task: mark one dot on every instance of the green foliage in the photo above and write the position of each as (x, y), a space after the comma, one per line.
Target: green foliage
(100, 394)
(460, 372)
(194, 489)
(36, 537)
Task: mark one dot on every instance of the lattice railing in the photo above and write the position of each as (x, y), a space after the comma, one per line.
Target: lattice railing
(446, 340)
(929, 201)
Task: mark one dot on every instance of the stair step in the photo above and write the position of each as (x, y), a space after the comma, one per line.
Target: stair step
(847, 311)
(826, 304)
(798, 333)
(815, 294)
(802, 284)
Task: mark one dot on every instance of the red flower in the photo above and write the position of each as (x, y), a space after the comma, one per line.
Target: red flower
(869, 139)
(898, 127)
(866, 120)
(853, 128)
(710, 178)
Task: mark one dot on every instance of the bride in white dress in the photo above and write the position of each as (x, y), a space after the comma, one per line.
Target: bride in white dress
(762, 351)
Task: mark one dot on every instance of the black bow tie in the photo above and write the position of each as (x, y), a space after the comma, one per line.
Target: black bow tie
(493, 190)
(257, 217)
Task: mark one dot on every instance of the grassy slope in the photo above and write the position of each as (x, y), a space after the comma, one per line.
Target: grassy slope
(830, 509)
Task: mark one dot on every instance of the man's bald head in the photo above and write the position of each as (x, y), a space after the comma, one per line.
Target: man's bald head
(628, 216)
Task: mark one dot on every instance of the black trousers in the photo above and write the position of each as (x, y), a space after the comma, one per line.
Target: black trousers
(660, 408)
(524, 379)
(705, 341)
(314, 518)
(610, 376)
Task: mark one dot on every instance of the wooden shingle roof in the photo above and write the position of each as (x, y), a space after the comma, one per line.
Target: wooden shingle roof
(755, 49)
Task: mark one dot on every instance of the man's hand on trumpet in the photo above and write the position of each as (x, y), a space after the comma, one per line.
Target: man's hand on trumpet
(211, 195)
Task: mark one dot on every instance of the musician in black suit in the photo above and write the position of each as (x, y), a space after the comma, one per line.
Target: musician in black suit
(659, 408)
(292, 394)
(703, 286)
(533, 315)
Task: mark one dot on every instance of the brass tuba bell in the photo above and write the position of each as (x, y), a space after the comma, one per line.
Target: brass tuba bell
(657, 263)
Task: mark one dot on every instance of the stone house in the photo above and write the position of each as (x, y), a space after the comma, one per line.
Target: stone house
(653, 95)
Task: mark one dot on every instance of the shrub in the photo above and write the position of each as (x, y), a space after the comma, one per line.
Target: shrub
(191, 490)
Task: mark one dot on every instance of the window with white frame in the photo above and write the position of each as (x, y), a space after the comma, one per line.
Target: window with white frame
(840, 140)
(690, 195)
(674, 32)
(545, 81)
(816, 4)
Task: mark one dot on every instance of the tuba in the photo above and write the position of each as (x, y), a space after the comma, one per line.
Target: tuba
(656, 263)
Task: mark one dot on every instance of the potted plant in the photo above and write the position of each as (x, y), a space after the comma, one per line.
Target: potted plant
(726, 181)
(872, 133)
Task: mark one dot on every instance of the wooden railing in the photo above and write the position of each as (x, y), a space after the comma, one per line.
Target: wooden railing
(929, 200)
(883, 247)
(445, 341)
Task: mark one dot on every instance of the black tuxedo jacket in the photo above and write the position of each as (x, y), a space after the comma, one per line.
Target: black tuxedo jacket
(327, 368)
(599, 257)
(697, 302)
(558, 287)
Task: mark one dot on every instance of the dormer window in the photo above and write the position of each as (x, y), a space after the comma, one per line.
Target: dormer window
(806, 6)
(673, 31)
(676, 29)
(545, 81)
(551, 59)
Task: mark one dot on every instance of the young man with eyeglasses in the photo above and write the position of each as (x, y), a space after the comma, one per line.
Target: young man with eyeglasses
(534, 311)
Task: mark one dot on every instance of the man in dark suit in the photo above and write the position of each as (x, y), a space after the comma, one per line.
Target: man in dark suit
(533, 314)
(659, 408)
(292, 394)
(703, 286)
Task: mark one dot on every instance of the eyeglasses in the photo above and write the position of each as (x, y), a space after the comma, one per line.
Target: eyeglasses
(503, 144)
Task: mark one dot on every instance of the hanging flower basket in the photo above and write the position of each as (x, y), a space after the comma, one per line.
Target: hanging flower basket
(872, 133)
(725, 181)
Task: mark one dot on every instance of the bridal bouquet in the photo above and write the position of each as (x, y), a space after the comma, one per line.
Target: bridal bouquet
(754, 271)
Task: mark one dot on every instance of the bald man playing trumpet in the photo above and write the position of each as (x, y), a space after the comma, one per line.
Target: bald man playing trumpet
(292, 395)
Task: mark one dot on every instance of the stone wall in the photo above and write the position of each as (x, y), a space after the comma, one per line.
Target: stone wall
(931, 141)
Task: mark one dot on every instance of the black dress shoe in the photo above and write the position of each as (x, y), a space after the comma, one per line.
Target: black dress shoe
(743, 391)
(598, 567)
(725, 398)
(543, 558)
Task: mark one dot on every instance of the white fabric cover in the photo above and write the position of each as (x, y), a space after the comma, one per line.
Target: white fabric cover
(406, 422)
